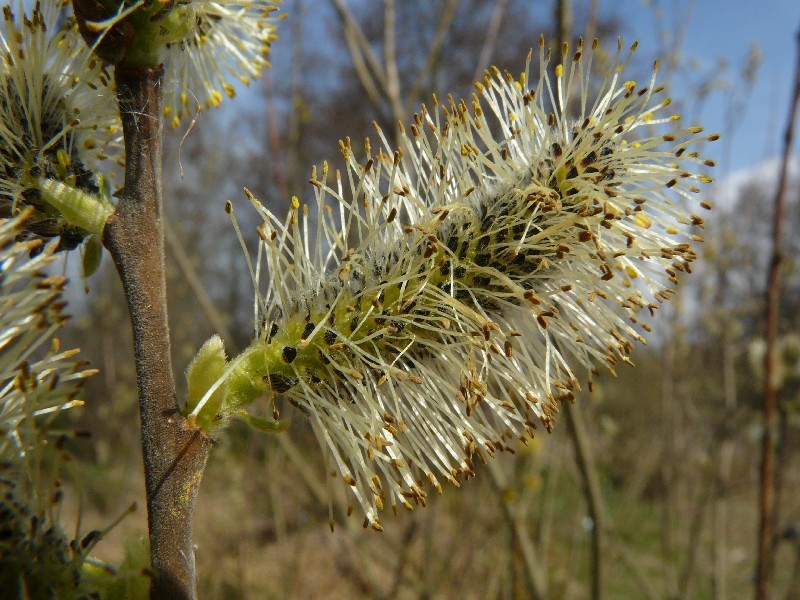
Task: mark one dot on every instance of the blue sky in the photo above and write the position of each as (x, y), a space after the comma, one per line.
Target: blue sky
(716, 29)
(712, 32)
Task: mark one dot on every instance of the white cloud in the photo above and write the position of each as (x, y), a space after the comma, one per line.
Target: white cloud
(726, 191)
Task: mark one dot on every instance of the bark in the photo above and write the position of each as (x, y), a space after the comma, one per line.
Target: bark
(174, 457)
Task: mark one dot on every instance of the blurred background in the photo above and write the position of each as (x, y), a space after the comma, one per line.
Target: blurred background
(647, 488)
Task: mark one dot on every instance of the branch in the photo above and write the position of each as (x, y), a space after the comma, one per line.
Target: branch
(767, 496)
(535, 577)
(490, 40)
(562, 15)
(591, 20)
(390, 56)
(361, 51)
(174, 457)
(447, 16)
(186, 267)
(592, 491)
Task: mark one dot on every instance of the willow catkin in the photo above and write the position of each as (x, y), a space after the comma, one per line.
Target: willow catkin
(451, 293)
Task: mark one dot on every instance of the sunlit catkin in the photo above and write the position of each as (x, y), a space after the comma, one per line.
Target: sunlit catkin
(450, 294)
(38, 380)
(58, 123)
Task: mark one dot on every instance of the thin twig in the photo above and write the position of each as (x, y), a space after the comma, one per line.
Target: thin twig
(592, 492)
(360, 48)
(693, 544)
(671, 442)
(591, 20)
(273, 138)
(360, 64)
(297, 101)
(390, 58)
(534, 576)
(491, 39)
(563, 18)
(767, 497)
(631, 563)
(213, 315)
(446, 18)
(724, 472)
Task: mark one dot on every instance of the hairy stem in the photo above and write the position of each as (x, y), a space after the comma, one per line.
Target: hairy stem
(174, 456)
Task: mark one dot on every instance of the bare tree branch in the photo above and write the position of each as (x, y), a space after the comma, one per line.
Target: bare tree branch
(535, 577)
(361, 52)
(273, 138)
(198, 289)
(491, 38)
(390, 56)
(592, 492)
(445, 21)
(297, 100)
(767, 496)
(563, 20)
(591, 20)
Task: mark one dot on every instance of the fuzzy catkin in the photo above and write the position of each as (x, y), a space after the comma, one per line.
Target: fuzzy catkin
(227, 43)
(38, 380)
(452, 291)
(58, 122)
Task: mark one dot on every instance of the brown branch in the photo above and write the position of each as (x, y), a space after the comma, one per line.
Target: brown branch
(297, 102)
(767, 497)
(273, 137)
(562, 15)
(591, 20)
(174, 457)
(724, 469)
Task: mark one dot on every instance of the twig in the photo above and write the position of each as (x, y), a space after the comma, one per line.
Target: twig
(591, 489)
(533, 573)
(724, 471)
(591, 20)
(793, 591)
(361, 52)
(390, 58)
(693, 544)
(448, 13)
(273, 140)
(672, 428)
(403, 559)
(491, 39)
(767, 498)
(563, 19)
(628, 560)
(297, 101)
(213, 315)
(174, 458)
